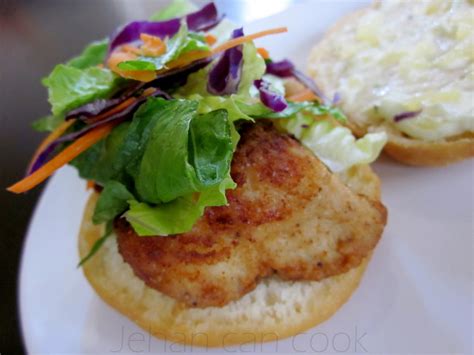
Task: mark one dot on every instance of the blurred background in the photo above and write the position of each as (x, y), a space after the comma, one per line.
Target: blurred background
(35, 35)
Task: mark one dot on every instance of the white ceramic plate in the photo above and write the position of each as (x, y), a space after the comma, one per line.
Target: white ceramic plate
(415, 297)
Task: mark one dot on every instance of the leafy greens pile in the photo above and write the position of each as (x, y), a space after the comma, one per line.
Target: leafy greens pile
(175, 130)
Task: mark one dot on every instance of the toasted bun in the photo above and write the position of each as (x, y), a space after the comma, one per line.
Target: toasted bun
(328, 65)
(275, 310)
(418, 152)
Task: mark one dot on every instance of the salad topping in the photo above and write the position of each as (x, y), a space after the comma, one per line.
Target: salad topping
(152, 116)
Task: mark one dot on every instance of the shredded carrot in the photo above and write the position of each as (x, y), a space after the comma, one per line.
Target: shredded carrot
(140, 75)
(58, 132)
(152, 45)
(191, 56)
(118, 57)
(305, 95)
(114, 110)
(210, 39)
(263, 52)
(240, 40)
(187, 59)
(131, 49)
(148, 91)
(68, 154)
(148, 75)
(66, 124)
(123, 105)
(90, 184)
(89, 139)
(151, 40)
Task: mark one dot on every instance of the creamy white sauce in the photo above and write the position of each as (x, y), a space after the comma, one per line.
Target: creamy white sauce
(410, 56)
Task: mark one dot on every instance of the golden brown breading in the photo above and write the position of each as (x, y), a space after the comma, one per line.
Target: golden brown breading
(289, 215)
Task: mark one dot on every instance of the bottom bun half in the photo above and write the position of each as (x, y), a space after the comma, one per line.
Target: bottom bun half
(274, 310)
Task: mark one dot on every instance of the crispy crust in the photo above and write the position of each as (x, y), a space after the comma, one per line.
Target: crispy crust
(279, 220)
(438, 153)
(275, 310)
(401, 148)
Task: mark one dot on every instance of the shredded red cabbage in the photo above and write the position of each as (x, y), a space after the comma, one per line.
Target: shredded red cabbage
(166, 80)
(177, 77)
(283, 69)
(93, 108)
(272, 100)
(310, 84)
(99, 106)
(201, 20)
(42, 158)
(119, 116)
(404, 115)
(224, 77)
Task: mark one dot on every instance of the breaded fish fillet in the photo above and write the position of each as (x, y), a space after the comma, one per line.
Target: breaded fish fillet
(289, 215)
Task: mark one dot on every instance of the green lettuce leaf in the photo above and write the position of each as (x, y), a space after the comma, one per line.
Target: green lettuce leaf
(334, 145)
(253, 68)
(195, 153)
(177, 8)
(258, 110)
(98, 243)
(70, 87)
(47, 123)
(228, 103)
(182, 42)
(177, 216)
(211, 147)
(166, 170)
(215, 195)
(169, 149)
(93, 55)
(106, 160)
(196, 84)
(113, 200)
(194, 42)
(171, 159)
